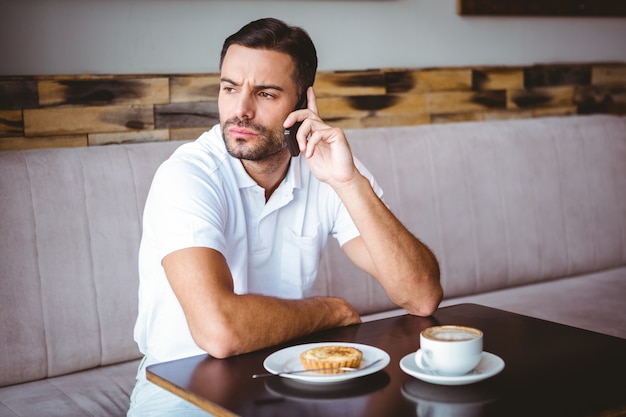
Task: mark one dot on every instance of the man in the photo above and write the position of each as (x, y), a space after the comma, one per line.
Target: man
(234, 226)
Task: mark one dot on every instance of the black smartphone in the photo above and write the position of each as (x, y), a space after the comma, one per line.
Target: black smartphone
(290, 137)
(290, 133)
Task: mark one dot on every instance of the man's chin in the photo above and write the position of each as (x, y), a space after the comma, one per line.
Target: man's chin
(252, 149)
(238, 151)
(247, 153)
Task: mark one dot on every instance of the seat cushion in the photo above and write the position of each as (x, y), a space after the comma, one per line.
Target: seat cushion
(103, 391)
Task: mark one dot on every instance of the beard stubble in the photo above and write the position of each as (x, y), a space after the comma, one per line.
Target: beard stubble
(271, 141)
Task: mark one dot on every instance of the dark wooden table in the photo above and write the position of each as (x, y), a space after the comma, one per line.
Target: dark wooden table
(550, 370)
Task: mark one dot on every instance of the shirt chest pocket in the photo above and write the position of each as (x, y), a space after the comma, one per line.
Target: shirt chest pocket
(300, 258)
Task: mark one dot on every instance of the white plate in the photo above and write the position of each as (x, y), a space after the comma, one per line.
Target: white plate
(488, 366)
(288, 359)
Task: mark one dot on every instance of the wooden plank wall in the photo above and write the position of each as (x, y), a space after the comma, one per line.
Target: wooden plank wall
(87, 110)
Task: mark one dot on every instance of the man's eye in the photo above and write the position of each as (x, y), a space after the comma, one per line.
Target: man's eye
(266, 95)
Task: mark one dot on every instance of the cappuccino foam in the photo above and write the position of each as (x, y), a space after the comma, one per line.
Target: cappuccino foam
(451, 334)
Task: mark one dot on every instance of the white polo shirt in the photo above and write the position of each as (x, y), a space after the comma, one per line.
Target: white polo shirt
(203, 197)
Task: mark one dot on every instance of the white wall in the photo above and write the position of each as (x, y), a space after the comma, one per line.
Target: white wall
(185, 36)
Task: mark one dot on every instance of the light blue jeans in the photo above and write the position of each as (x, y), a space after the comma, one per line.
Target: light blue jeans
(150, 400)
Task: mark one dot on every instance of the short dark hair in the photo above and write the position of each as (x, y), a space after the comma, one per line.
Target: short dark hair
(275, 35)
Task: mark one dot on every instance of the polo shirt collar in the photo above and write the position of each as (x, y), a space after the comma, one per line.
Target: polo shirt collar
(292, 180)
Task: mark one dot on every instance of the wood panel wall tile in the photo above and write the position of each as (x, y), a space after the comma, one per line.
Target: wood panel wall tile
(482, 116)
(396, 120)
(457, 117)
(608, 74)
(184, 89)
(405, 111)
(404, 105)
(187, 133)
(557, 75)
(11, 123)
(380, 121)
(157, 135)
(399, 81)
(541, 97)
(507, 115)
(554, 111)
(422, 81)
(18, 94)
(200, 114)
(457, 102)
(609, 99)
(349, 83)
(358, 107)
(443, 80)
(63, 141)
(103, 91)
(348, 123)
(333, 109)
(497, 78)
(69, 120)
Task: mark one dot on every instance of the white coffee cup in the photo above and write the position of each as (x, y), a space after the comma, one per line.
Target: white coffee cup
(449, 350)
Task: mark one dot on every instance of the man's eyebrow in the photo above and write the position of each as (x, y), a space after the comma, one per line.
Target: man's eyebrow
(256, 87)
(228, 80)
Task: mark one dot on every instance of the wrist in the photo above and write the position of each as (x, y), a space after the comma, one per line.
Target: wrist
(343, 313)
(352, 186)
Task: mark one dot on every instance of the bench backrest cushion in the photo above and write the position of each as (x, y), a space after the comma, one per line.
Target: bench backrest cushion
(70, 230)
(501, 203)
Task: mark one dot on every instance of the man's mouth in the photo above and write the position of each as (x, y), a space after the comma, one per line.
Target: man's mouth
(241, 132)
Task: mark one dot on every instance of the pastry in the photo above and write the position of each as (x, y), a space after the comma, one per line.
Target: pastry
(331, 357)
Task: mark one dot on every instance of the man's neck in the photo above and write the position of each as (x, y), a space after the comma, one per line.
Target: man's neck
(270, 172)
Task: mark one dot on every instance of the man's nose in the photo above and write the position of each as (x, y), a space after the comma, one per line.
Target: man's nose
(245, 107)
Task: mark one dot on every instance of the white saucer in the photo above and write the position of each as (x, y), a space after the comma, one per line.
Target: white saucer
(288, 359)
(488, 366)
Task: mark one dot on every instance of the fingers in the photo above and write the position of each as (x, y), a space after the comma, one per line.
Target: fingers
(321, 133)
(311, 131)
(312, 100)
(308, 138)
(303, 114)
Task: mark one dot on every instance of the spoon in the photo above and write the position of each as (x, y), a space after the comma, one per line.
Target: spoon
(343, 368)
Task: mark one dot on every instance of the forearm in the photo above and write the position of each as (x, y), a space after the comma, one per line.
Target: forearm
(224, 323)
(244, 323)
(404, 266)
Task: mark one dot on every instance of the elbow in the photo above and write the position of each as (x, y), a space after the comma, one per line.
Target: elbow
(428, 306)
(424, 300)
(424, 306)
(219, 350)
(418, 290)
(433, 289)
(218, 340)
